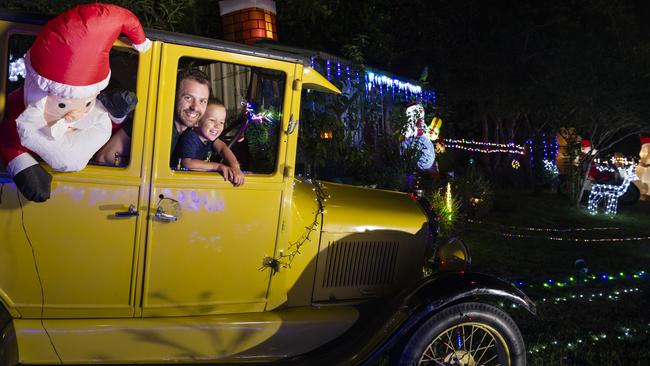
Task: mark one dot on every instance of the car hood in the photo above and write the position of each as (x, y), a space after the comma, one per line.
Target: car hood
(350, 209)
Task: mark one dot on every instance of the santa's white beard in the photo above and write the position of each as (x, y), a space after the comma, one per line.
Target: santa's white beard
(67, 146)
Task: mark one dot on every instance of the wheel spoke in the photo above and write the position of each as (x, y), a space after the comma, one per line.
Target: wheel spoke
(471, 338)
(466, 342)
(478, 361)
(488, 361)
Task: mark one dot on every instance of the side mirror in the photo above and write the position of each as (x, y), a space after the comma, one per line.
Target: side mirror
(452, 256)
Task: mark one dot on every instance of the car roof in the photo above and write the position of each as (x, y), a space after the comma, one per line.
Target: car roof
(176, 38)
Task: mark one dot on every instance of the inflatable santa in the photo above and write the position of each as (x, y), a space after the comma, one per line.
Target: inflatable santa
(56, 114)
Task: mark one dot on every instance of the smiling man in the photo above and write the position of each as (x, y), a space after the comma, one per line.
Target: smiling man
(192, 94)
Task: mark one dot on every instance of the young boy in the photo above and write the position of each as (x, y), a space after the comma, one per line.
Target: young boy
(197, 145)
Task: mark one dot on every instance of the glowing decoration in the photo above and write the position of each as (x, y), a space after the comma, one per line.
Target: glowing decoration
(613, 295)
(610, 193)
(448, 202)
(265, 116)
(551, 167)
(643, 169)
(432, 132)
(415, 136)
(623, 334)
(543, 229)
(560, 238)
(426, 148)
(515, 164)
(484, 147)
(326, 135)
(17, 68)
(573, 281)
(372, 80)
(383, 80)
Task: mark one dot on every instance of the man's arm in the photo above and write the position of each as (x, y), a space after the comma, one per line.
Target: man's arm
(224, 151)
(118, 144)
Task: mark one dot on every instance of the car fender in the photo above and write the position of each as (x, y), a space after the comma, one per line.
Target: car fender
(441, 290)
(382, 324)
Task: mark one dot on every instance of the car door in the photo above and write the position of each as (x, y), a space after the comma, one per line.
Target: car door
(71, 256)
(207, 240)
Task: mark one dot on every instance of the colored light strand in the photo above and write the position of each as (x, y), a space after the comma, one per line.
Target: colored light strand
(374, 81)
(577, 240)
(625, 333)
(484, 147)
(610, 193)
(613, 295)
(576, 280)
(532, 228)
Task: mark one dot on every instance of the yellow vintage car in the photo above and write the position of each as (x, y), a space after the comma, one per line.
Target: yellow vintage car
(139, 261)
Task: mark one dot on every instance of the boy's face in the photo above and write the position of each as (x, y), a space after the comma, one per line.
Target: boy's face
(211, 125)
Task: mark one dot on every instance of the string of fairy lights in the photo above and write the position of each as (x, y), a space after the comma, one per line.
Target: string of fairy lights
(484, 147)
(374, 81)
(533, 228)
(576, 240)
(284, 260)
(624, 333)
(581, 280)
(560, 238)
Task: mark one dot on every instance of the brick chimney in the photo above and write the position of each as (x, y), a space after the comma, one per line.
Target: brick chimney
(246, 21)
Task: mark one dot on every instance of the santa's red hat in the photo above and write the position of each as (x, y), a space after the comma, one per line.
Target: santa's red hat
(70, 57)
(645, 140)
(585, 143)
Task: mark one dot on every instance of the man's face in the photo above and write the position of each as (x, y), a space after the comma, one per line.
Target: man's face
(191, 100)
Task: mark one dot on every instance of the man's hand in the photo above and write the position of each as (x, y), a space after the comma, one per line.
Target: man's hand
(34, 183)
(118, 103)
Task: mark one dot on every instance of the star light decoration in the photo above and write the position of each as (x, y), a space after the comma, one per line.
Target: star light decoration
(610, 193)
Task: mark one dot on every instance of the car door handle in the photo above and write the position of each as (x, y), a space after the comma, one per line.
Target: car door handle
(160, 213)
(131, 212)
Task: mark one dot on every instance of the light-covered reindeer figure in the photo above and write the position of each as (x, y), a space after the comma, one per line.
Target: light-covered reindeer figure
(610, 193)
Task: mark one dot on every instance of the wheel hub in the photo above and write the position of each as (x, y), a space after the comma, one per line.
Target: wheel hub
(460, 358)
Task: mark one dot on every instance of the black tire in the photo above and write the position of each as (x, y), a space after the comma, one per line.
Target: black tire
(478, 319)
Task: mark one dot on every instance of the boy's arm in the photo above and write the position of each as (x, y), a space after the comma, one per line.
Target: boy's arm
(196, 164)
(230, 159)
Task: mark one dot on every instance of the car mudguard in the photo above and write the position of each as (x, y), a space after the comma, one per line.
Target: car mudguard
(8, 343)
(383, 323)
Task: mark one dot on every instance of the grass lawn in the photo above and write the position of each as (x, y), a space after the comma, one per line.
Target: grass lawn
(610, 323)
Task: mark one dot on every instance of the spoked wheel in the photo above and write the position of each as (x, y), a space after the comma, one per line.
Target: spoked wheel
(469, 334)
